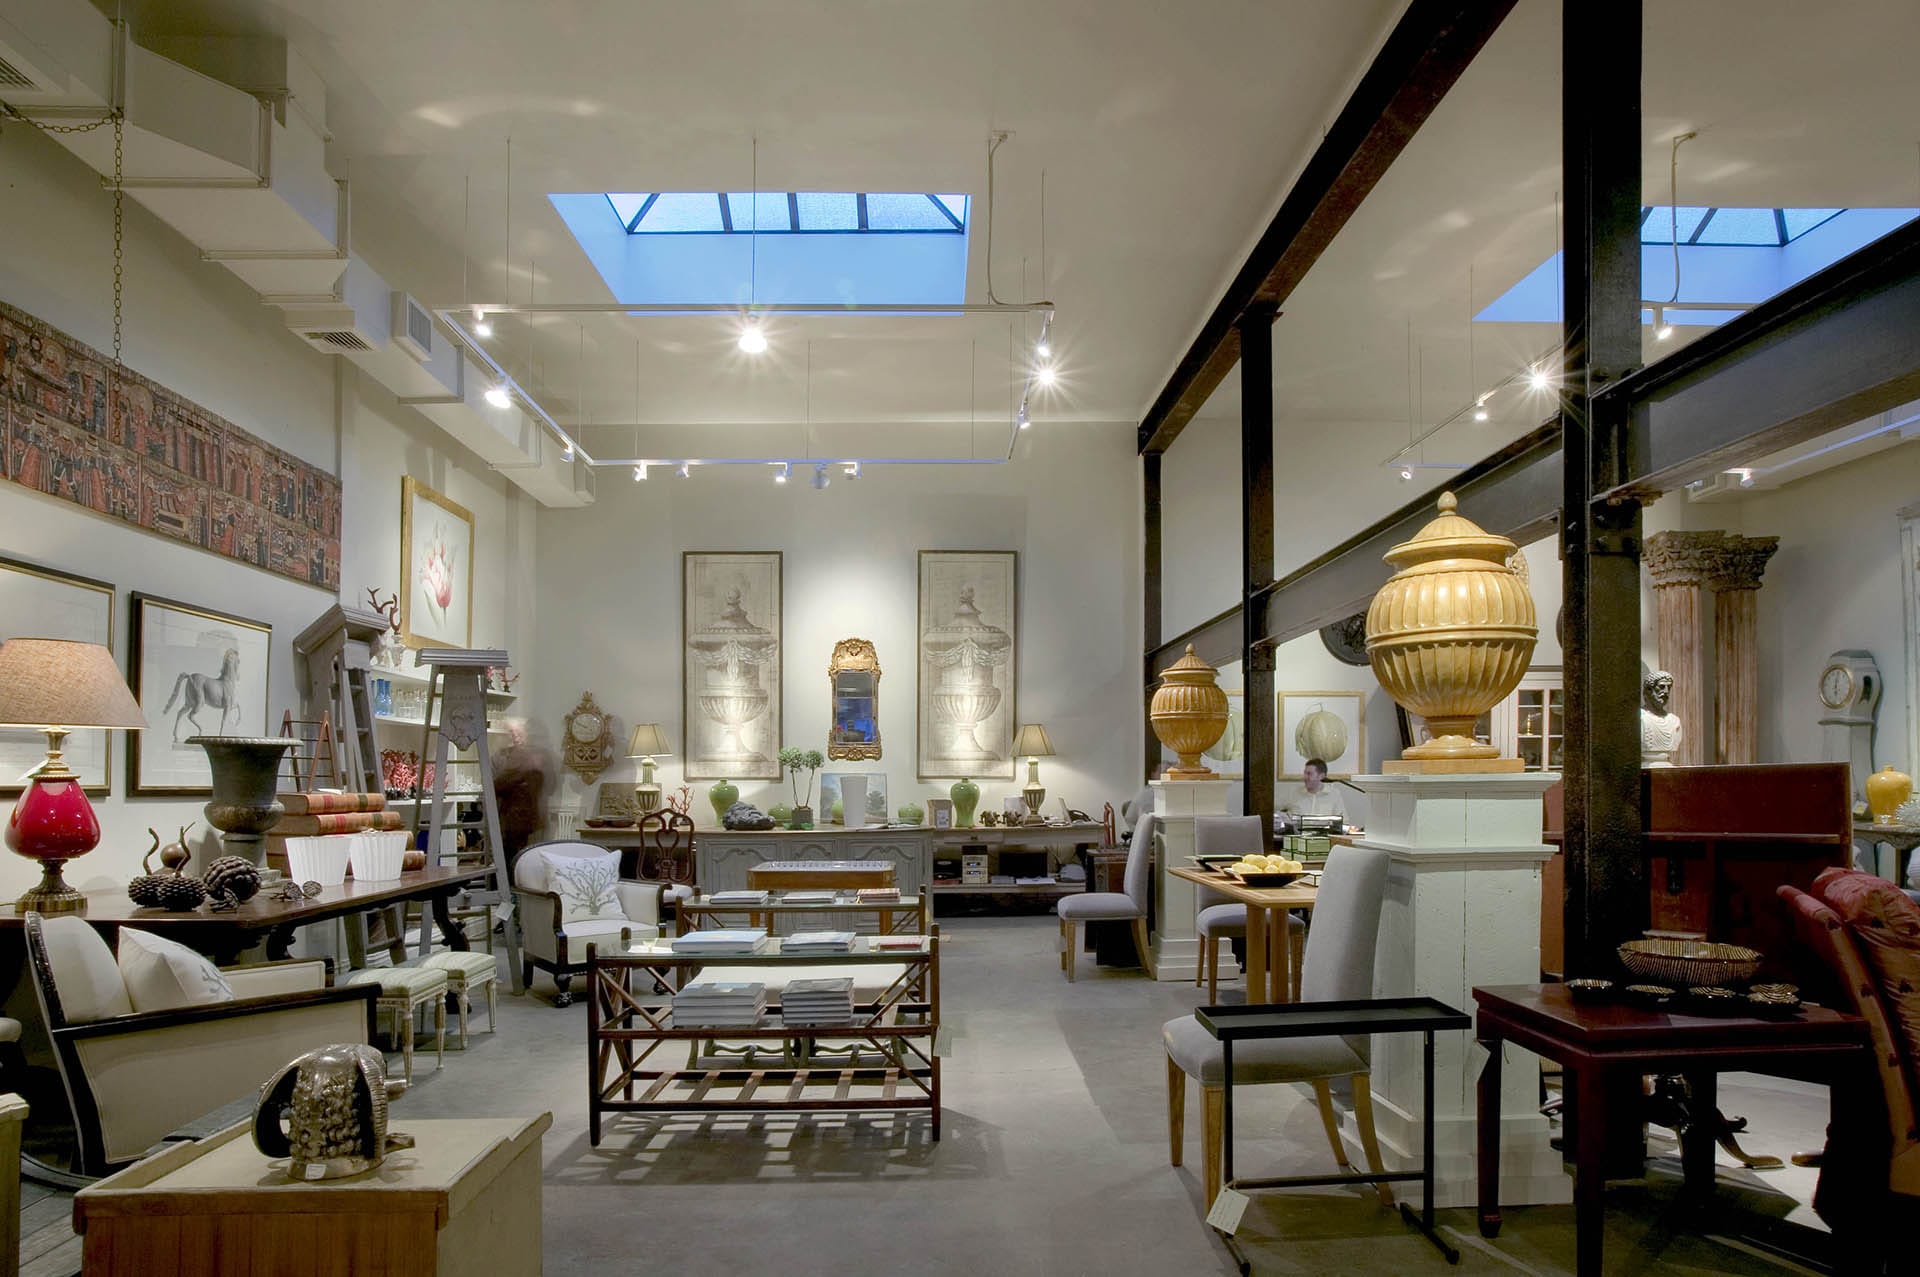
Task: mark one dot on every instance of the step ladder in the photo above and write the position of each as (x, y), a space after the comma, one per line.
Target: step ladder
(333, 661)
(456, 716)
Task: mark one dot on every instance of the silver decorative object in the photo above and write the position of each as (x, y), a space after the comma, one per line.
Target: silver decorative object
(334, 1104)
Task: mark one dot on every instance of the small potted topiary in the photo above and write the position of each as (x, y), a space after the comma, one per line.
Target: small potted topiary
(795, 761)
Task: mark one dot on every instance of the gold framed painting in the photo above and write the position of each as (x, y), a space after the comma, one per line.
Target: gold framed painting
(436, 568)
(1331, 726)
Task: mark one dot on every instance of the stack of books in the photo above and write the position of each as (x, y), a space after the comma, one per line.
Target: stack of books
(808, 898)
(719, 1005)
(818, 942)
(310, 815)
(817, 1003)
(743, 897)
(722, 943)
(879, 895)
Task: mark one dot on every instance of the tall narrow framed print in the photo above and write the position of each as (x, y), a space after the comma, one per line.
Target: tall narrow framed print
(43, 602)
(196, 672)
(969, 667)
(436, 568)
(730, 617)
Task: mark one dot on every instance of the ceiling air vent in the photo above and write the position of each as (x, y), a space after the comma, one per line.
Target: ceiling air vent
(12, 77)
(340, 340)
(412, 327)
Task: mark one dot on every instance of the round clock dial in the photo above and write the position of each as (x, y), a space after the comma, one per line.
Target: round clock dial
(1836, 686)
(587, 728)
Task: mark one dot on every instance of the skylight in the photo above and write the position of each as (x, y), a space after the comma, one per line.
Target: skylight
(1743, 227)
(788, 213)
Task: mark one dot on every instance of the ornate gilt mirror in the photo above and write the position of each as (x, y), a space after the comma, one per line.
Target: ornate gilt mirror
(854, 682)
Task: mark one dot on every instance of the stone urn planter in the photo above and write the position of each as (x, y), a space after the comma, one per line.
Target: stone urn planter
(1450, 635)
(246, 776)
(1189, 714)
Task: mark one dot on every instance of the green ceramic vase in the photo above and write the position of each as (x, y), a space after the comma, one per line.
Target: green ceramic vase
(966, 796)
(723, 795)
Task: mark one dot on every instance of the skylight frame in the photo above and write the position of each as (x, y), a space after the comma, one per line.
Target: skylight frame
(952, 224)
(1656, 218)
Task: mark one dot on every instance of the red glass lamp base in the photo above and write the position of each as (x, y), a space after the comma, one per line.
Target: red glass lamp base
(53, 822)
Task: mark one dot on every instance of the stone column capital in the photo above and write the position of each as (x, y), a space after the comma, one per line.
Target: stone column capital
(1736, 564)
(1680, 558)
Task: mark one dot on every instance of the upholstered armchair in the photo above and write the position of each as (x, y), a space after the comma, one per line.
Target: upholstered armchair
(569, 895)
(132, 1077)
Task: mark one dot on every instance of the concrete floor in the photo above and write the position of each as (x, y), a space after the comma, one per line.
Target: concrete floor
(1053, 1158)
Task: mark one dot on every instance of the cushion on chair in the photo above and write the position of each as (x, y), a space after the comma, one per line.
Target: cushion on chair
(1097, 906)
(600, 928)
(1197, 1052)
(85, 975)
(532, 868)
(469, 964)
(162, 974)
(1885, 925)
(586, 889)
(1217, 922)
(412, 982)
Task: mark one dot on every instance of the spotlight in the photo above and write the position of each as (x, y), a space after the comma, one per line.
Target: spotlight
(1043, 348)
(821, 478)
(1481, 402)
(780, 475)
(640, 472)
(752, 339)
(566, 453)
(481, 326)
(1479, 414)
(1406, 474)
(1020, 418)
(1746, 476)
(499, 396)
(1536, 379)
(684, 470)
(853, 469)
(1044, 374)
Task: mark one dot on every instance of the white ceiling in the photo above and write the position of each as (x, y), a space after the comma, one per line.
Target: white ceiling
(1166, 135)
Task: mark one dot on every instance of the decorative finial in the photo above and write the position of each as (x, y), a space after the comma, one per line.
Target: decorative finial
(1448, 503)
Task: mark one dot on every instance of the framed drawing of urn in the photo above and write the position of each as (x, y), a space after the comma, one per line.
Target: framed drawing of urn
(968, 657)
(730, 660)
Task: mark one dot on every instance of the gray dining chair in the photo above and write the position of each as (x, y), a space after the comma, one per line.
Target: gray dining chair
(1219, 918)
(1338, 966)
(1128, 905)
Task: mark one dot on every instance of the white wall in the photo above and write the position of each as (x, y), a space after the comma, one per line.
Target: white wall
(609, 598)
(197, 330)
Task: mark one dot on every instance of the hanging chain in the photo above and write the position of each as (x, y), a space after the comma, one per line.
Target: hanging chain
(118, 121)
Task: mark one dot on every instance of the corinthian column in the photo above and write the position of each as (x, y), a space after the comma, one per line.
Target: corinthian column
(1678, 563)
(1735, 578)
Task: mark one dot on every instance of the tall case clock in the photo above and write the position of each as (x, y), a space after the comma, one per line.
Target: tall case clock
(1850, 701)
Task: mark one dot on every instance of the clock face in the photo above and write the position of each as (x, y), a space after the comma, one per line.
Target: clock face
(1836, 686)
(587, 727)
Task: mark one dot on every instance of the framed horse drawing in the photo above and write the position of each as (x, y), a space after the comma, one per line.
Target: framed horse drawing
(196, 672)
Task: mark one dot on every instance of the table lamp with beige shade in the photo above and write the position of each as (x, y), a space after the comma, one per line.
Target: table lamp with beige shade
(1032, 741)
(649, 742)
(55, 686)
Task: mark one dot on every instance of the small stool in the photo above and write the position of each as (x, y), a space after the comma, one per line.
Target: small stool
(467, 970)
(403, 990)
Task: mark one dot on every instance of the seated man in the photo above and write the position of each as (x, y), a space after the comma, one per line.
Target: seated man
(1315, 797)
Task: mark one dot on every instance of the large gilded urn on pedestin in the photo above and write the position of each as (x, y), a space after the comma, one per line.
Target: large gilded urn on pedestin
(1189, 714)
(1451, 634)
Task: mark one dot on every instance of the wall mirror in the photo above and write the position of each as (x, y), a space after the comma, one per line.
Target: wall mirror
(854, 683)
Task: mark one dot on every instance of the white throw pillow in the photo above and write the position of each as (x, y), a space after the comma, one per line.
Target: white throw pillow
(585, 887)
(163, 974)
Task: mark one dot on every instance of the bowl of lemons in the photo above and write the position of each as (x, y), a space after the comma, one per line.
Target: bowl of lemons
(1266, 871)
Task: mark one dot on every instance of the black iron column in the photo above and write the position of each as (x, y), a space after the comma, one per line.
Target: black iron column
(1606, 890)
(1256, 550)
(1149, 599)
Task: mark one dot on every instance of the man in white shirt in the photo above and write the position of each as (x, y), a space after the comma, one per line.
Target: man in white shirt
(1315, 797)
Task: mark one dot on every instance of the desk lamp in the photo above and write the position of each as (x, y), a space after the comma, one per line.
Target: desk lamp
(54, 686)
(648, 741)
(1032, 741)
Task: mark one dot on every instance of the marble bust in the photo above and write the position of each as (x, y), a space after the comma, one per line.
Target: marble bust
(1659, 728)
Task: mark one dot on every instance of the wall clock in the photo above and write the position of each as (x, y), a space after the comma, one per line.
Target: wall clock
(1850, 697)
(588, 748)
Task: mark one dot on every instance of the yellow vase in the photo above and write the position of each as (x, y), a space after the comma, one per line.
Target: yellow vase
(1189, 714)
(1886, 790)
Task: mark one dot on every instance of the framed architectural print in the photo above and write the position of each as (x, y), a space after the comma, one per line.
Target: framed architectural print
(1331, 726)
(968, 657)
(730, 664)
(196, 672)
(436, 568)
(42, 602)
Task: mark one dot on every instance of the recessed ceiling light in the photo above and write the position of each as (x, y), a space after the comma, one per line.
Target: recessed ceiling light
(640, 472)
(752, 339)
(482, 327)
(1045, 374)
(780, 472)
(1479, 414)
(1406, 474)
(498, 395)
(1536, 379)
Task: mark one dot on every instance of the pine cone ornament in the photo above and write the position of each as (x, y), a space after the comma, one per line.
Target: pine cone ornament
(235, 876)
(145, 890)
(180, 893)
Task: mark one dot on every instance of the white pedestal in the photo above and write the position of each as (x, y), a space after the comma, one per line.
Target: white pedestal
(1462, 909)
(1176, 946)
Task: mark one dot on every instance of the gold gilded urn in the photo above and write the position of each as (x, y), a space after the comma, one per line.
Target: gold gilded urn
(1451, 634)
(1189, 714)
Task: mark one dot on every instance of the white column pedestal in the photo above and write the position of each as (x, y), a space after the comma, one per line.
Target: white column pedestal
(1462, 909)
(1176, 945)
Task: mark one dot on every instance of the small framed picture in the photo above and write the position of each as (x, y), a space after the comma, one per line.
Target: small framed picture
(1330, 726)
(940, 813)
(196, 672)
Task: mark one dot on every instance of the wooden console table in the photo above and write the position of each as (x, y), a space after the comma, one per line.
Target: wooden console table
(464, 1199)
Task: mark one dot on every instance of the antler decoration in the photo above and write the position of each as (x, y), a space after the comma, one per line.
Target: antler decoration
(390, 609)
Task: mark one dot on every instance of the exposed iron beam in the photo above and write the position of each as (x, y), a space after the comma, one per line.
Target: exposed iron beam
(1256, 554)
(1216, 640)
(1152, 616)
(1422, 58)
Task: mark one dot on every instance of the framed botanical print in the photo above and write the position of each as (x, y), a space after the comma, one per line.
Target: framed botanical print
(196, 672)
(969, 666)
(730, 618)
(1331, 726)
(43, 602)
(436, 568)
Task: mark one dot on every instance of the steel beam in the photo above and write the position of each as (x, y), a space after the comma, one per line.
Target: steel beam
(1216, 640)
(1606, 888)
(1423, 56)
(1150, 600)
(1256, 552)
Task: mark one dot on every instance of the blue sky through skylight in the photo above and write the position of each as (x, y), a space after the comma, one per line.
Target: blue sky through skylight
(788, 212)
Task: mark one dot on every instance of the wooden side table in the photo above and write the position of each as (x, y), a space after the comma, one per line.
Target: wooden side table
(464, 1199)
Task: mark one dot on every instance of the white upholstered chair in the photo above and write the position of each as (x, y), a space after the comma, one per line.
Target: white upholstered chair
(1338, 966)
(1128, 905)
(134, 1077)
(570, 895)
(1220, 918)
